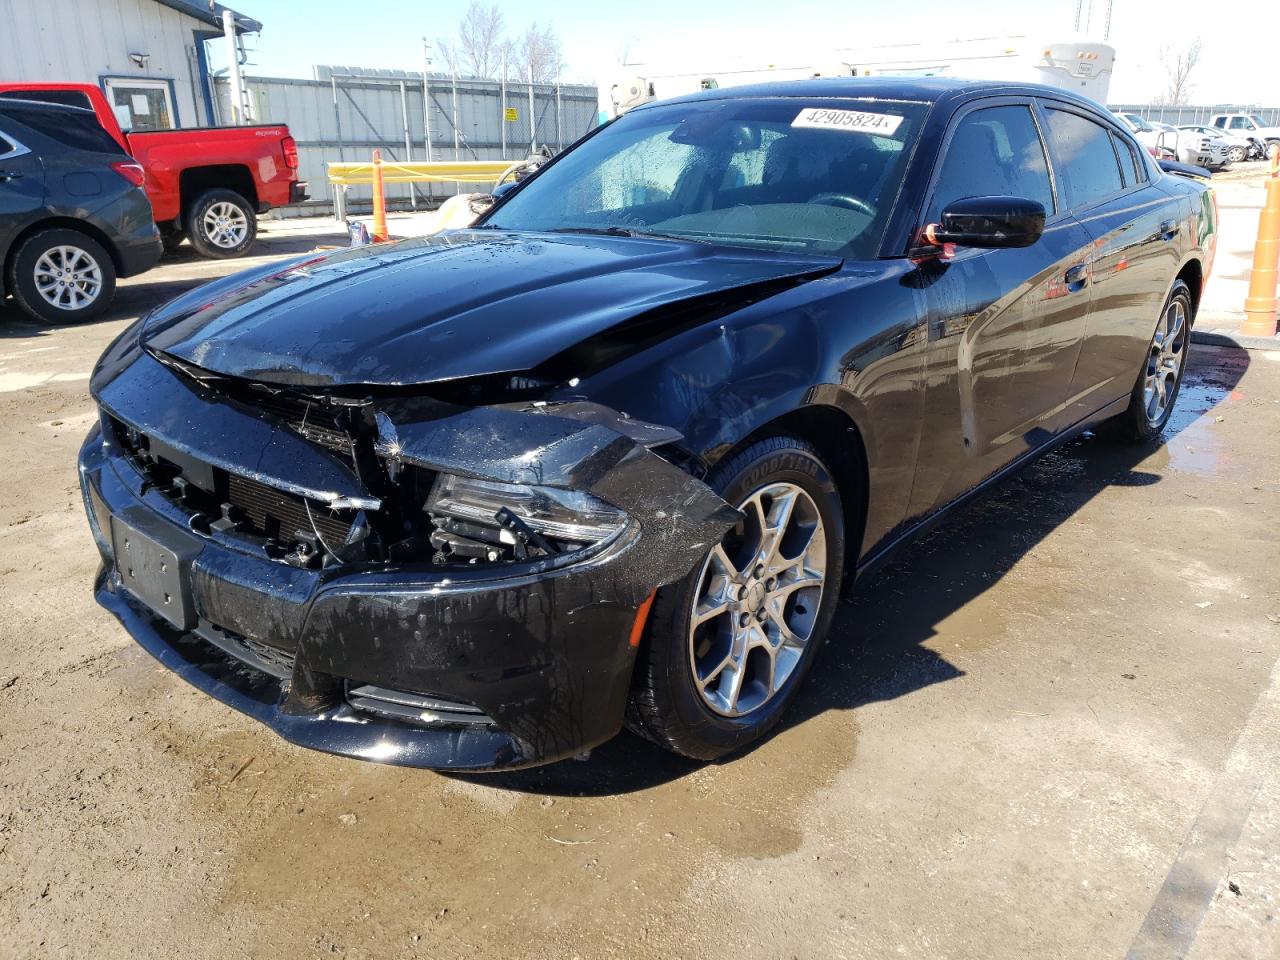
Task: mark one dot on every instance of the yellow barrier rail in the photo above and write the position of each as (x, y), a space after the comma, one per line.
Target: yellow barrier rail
(439, 171)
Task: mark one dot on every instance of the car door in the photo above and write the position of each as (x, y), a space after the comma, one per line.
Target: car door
(21, 186)
(1004, 325)
(1106, 182)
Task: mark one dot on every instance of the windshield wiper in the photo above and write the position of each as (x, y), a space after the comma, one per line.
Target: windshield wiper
(624, 232)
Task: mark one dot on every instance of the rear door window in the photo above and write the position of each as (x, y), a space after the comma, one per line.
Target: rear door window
(994, 152)
(1083, 158)
(77, 129)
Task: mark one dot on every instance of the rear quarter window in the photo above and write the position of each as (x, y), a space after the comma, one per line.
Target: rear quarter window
(68, 98)
(76, 129)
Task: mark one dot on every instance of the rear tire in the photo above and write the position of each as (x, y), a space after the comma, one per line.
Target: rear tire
(221, 224)
(62, 276)
(1160, 377)
(680, 698)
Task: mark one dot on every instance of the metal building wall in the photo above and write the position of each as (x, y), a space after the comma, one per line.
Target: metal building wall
(345, 118)
(81, 41)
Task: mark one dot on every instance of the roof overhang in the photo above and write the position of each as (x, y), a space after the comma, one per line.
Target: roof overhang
(209, 12)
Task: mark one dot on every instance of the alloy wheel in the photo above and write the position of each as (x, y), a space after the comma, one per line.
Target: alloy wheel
(225, 224)
(68, 277)
(1164, 361)
(757, 601)
(1236, 154)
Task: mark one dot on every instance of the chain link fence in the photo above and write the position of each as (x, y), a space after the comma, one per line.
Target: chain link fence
(1199, 116)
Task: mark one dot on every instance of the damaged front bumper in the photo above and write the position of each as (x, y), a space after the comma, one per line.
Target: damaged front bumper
(406, 662)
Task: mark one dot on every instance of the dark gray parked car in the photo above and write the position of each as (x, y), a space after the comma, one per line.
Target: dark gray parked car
(73, 215)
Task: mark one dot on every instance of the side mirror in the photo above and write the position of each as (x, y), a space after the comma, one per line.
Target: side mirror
(990, 222)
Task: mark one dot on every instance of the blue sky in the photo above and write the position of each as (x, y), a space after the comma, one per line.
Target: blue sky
(1238, 62)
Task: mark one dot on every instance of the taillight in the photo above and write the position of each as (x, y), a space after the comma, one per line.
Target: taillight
(131, 171)
(290, 152)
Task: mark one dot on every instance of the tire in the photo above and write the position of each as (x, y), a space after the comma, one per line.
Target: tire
(667, 705)
(172, 240)
(1237, 154)
(1161, 371)
(221, 224)
(48, 294)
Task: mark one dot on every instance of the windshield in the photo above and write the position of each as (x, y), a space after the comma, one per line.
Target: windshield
(779, 174)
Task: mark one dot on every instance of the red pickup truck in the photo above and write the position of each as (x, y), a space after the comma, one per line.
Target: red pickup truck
(204, 183)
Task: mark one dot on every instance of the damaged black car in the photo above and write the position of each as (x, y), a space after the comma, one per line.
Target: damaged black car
(610, 455)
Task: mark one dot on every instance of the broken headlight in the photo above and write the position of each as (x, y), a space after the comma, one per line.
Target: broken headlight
(484, 520)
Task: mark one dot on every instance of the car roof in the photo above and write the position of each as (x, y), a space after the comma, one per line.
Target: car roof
(921, 89)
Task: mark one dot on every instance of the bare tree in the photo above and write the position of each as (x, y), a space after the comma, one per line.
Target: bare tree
(478, 50)
(1178, 65)
(539, 54)
(481, 39)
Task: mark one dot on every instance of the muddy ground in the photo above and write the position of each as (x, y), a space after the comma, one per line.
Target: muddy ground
(1049, 730)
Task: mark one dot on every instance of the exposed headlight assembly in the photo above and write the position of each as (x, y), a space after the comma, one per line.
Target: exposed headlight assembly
(478, 520)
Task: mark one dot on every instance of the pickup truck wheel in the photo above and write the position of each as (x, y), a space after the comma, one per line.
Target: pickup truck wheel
(221, 224)
(1237, 154)
(62, 276)
(729, 645)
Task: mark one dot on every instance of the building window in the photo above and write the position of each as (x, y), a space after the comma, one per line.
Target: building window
(141, 104)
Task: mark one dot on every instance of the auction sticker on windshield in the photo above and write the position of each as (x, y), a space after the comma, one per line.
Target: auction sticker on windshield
(855, 121)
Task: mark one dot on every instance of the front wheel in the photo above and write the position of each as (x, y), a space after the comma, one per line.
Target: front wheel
(729, 645)
(1237, 154)
(1160, 379)
(62, 276)
(221, 224)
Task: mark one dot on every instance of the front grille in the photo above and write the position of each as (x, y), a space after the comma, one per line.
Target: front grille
(277, 515)
(304, 417)
(219, 499)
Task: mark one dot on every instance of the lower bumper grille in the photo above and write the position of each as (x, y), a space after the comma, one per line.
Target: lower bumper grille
(253, 653)
(413, 707)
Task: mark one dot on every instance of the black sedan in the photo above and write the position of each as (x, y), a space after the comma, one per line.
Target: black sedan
(73, 214)
(610, 456)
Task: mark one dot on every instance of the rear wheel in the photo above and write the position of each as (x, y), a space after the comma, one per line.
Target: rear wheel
(221, 224)
(1160, 379)
(62, 276)
(729, 646)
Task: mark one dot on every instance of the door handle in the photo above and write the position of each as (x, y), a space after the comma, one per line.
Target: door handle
(7, 175)
(1168, 229)
(1077, 277)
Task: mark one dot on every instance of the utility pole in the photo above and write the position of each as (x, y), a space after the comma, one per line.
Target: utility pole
(233, 71)
(533, 120)
(426, 99)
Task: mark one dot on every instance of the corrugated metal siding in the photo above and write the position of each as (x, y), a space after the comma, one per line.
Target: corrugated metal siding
(370, 115)
(81, 41)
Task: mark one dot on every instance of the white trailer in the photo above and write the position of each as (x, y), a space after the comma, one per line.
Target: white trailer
(1079, 65)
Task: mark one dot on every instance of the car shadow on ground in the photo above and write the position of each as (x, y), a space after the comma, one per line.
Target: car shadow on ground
(877, 646)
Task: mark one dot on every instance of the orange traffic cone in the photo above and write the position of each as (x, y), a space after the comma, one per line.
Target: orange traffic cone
(1260, 304)
(380, 234)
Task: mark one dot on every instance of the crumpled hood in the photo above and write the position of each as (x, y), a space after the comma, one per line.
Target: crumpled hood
(438, 308)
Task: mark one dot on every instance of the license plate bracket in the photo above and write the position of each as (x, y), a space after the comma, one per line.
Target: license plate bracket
(154, 566)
